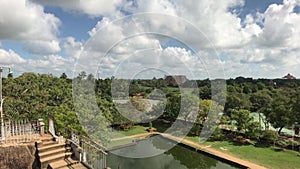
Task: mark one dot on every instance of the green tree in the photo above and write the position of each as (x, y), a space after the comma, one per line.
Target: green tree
(269, 136)
(296, 106)
(63, 76)
(281, 114)
(261, 103)
(245, 123)
(172, 107)
(82, 75)
(236, 101)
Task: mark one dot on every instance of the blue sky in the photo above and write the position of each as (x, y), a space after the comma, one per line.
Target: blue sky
(252, 38)
(73, 24)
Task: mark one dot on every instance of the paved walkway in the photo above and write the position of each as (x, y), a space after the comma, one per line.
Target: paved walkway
(200, 147)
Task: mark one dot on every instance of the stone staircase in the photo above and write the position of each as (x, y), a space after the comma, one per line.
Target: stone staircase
(53, 155)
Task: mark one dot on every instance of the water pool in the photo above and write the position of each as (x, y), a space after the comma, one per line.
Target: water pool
(179, 157)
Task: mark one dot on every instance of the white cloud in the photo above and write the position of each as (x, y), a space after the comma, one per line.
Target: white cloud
(10, 57)
(26, 22)
(281, 28)
(53, 64)
(71, 47)
(42, 47)
(222, 27)
(91, 7)
(23, 20)
(214, 20)
(172, 60)
(260, 45)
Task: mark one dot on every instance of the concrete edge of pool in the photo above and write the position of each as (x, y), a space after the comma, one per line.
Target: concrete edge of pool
(221, 156)
(235, 164)
(214, 153)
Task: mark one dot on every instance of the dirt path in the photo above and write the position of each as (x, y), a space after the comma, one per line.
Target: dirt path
(200, 147)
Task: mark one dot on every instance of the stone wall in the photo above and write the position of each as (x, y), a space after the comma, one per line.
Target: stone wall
(18, 157)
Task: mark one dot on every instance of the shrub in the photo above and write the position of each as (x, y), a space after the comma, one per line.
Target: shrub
(253, 131)
(283, 143)
(287, 142)
(269, 136)
(217, 135)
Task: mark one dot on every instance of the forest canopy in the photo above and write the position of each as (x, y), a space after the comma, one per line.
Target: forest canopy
(32, 96)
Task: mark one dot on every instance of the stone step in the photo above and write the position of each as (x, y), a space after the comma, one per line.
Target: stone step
(46, 160)
(47, 143)
(62, 163)
(76, 166)
(47, 137)
(39, 143)
(52, 152)
(50, 147)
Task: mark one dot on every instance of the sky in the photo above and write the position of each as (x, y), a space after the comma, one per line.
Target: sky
(145, 39)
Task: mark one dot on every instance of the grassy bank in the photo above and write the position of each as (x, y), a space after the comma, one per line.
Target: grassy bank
(271, 157)
(134, 130)
(268, 156)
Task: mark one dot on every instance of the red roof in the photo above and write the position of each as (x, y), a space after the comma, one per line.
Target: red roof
(289, 76)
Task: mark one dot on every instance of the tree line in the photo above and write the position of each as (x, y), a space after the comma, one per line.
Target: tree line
(32, 96)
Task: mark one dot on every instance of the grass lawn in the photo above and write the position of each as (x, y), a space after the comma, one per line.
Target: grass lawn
(134, 130)
(267, 156)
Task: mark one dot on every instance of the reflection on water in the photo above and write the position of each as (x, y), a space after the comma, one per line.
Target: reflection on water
(178, 157)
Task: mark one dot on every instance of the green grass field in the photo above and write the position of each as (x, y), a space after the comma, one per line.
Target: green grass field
(273, 158)
(134, 130)
(267, 156)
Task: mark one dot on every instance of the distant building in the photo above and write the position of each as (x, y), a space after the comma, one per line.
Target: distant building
(176, 80)
(289, 76)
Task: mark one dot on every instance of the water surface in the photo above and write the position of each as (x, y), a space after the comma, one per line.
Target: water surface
(179, 157)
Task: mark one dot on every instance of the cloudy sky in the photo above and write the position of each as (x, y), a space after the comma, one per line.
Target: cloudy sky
(142, 38)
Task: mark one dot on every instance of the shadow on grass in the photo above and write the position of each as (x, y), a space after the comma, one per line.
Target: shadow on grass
(277, 149)
(262, 145)
(235, 143)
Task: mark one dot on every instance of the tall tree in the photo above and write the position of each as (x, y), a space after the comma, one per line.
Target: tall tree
(63, 76)
(281, 114)
(261, 103)
(245, 123)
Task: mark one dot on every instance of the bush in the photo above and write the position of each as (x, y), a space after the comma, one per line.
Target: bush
(217, 135)
(287, 142)
(283, 143)
(269, 136)
(195, 130)
(253, 131)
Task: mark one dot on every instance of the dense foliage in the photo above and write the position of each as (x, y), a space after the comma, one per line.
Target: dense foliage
(32, 96)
